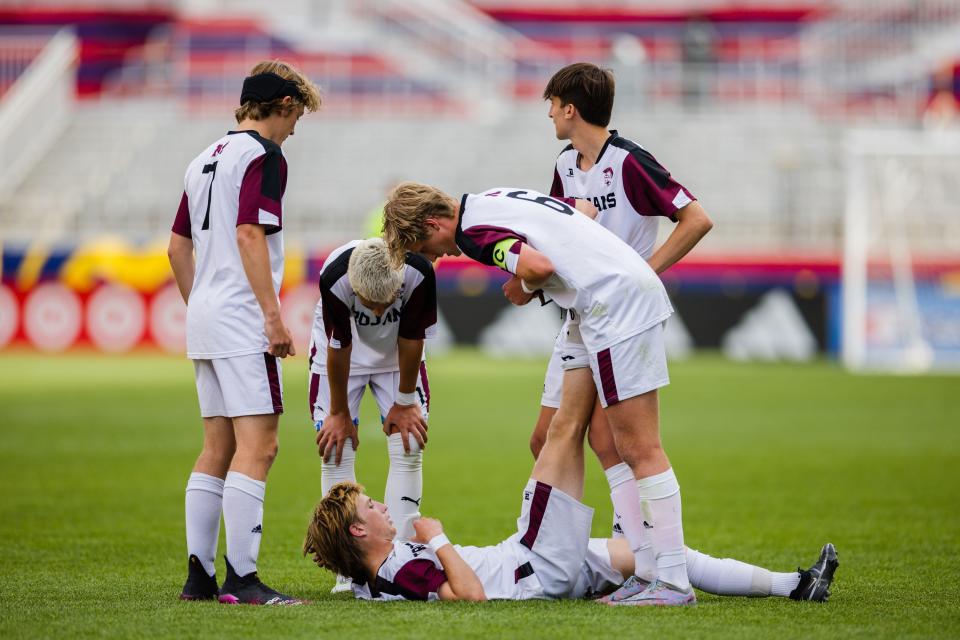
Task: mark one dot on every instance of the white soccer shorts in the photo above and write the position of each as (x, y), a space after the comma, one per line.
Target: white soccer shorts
(569, 352)
(556, 529)
(383, 385)
(631, 367)
(247, 385)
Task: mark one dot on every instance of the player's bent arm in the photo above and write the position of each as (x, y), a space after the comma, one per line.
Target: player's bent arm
(533, 267)
(180, 254)
(462, 583)
(692, 224)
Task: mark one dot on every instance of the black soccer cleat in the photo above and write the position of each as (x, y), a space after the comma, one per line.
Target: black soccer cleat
(815, 581)
(249, 590)
(199, 586)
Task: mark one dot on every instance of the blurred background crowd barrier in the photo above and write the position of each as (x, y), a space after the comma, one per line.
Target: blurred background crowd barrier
(820, 135)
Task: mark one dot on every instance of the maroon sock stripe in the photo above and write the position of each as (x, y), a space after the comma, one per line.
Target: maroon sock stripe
(273, 376)
(607, 379)
(541, 495)
(314, 390)
(425, 383)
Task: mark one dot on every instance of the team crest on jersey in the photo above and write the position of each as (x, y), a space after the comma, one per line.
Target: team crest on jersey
(219, 149)
(608, 176)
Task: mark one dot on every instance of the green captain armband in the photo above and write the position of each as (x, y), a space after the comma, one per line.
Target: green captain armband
(502, 256)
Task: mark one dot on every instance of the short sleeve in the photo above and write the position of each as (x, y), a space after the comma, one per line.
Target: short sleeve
(181, 223)
(650, 188)
(417, 579)
(336, 315)
(261, 191)
(419, 313)
(556, 189)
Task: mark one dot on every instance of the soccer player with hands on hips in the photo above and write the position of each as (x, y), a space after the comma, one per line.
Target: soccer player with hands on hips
(632, 193)
(369, 330)
(226, 251)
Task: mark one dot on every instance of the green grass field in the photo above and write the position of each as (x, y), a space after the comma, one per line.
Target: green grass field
(773, 461)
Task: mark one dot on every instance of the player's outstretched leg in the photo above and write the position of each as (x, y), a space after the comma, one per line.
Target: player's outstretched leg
(814, 583)
(560, 463)
(726, 576)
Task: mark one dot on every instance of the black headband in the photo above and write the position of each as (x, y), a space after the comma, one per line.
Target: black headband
(268, 86)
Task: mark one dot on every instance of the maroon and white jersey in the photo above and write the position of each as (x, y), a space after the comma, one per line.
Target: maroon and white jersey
(630, 189)
(239, 179)
(412, 571)
(341, 320)
(611, 288)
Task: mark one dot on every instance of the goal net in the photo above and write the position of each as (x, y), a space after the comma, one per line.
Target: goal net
(901, 253)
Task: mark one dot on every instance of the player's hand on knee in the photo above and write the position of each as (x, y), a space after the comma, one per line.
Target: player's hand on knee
(337, 429)
(427, 529)
(513, 292)
(407, 420)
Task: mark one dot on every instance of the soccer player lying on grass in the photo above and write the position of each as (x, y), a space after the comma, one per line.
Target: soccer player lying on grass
(551, 556)
(369, 328)
(617, 306)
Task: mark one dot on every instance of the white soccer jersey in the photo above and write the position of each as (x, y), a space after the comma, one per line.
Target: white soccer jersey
(630, 189)
(340, 317)
(412, 571)
(612, 289)
(239, 179)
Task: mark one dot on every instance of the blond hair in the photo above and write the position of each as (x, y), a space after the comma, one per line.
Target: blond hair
(329, 538)
(309, 93)
(371, 273)
(405, 216)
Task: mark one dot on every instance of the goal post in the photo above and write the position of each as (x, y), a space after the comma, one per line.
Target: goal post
(901, 251)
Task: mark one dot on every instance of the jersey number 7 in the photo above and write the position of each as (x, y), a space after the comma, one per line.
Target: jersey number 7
(211, 169)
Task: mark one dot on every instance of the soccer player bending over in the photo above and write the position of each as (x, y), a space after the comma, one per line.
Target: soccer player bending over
(551, 556)
(368, 331)
(226, 251)
(613, 342)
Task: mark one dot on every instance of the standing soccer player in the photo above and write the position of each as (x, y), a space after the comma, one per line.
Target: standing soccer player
(617, 307)
(369, 328)
(632, 193)
(226, 251)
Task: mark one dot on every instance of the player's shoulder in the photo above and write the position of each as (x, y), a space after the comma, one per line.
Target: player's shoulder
(567, 154)
(418, 263)
(336, 264)
(634, 150)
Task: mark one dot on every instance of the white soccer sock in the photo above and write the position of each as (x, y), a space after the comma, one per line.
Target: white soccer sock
(728, 577)
(660, 497)
(204, 497)
(331, 474)
(783, 583)
(404, 485)
(243, 520)
(626, 512)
